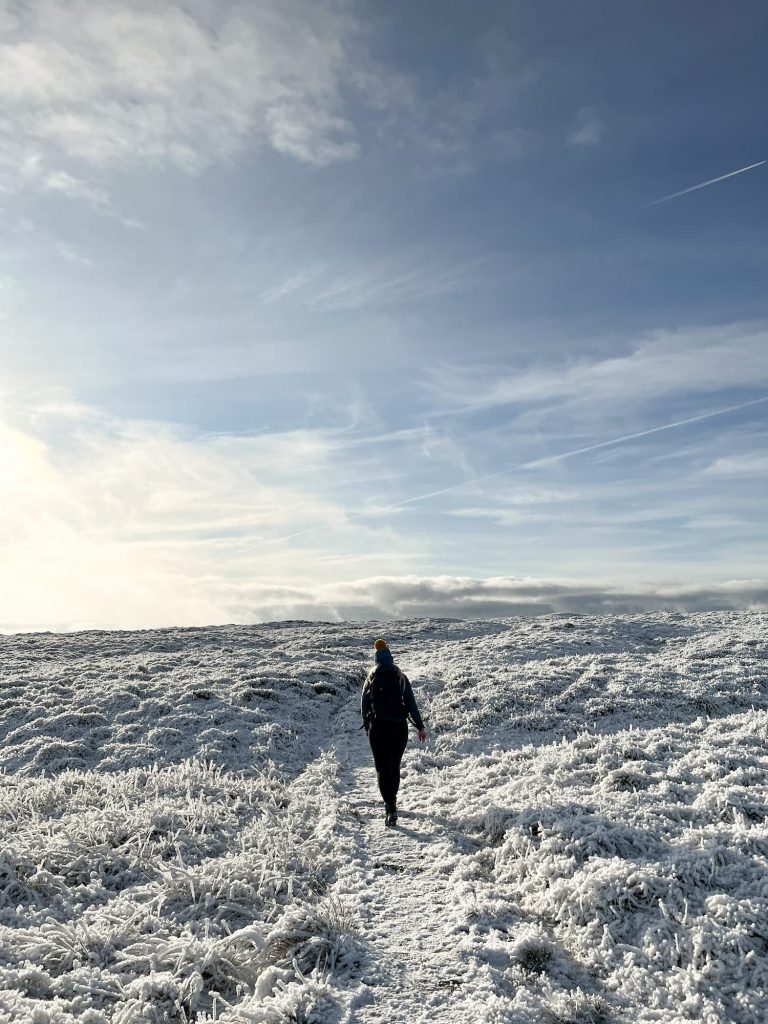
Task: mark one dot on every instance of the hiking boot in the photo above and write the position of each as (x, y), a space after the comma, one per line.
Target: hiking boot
(391, 815)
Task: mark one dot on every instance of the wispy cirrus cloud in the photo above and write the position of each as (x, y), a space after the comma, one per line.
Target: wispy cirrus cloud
(132, 521)
(587, 129)
(659, 502)
(475, 115)
(62, 183)
(690, 360)
(323, 288)
(746, 464)
(511, 503)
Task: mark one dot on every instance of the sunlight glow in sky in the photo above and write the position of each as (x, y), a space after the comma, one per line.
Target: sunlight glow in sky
(300, 301)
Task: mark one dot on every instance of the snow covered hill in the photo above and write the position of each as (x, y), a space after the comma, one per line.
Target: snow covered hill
(190, 828)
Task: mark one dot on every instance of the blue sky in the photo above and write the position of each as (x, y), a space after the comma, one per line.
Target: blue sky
(276, 273)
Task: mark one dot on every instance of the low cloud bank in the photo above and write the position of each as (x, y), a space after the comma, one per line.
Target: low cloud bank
(460, 597)
(216, 601)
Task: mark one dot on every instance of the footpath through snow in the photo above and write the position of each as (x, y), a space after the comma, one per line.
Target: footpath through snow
(403, 899)
(190, 828)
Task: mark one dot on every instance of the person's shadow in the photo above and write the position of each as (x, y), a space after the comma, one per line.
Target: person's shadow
(422, 837)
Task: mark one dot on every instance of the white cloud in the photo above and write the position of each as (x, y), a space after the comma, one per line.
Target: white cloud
(72, 255)
(473, 115)
(64, 184)
(131, 522)
(587, 129)
(719, 523)
(380, 283)
(106, 84)
(658, 364)
(405, 597)
(90, 87)
(127, 594)
(122, 523)
(465, 597)
(512, 506)
(289, 286)
(747, 465)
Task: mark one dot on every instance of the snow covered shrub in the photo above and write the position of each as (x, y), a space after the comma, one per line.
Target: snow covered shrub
(156, 999)
(21, 882)
(531, 950)
(58, 946)
(625, 779)
(576, 1008)
(495, 824)
(313, 937)
(307, 1001)
(200, 964)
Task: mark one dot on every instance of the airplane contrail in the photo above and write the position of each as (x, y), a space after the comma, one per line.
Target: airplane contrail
(704, 184)
(531, 464)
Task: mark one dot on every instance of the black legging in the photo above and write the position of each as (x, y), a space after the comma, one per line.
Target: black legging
(388, 741)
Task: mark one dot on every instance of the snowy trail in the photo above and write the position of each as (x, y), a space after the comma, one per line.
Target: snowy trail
(406, 902)
(411, 922)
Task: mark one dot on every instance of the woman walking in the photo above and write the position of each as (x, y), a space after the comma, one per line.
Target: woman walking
(386, 705)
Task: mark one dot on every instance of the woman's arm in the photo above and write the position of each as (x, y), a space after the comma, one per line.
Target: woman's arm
(365, 703)
(410, 703)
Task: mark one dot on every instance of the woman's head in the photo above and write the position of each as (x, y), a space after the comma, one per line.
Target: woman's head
(382, 654)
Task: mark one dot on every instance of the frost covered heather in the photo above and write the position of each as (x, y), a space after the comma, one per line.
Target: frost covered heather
(191, 828)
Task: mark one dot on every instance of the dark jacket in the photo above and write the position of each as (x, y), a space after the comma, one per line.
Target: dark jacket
(410, 710)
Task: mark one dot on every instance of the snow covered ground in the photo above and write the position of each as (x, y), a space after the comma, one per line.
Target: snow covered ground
(190, 829)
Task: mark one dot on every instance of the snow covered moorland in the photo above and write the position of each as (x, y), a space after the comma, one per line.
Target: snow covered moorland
(190, 828)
